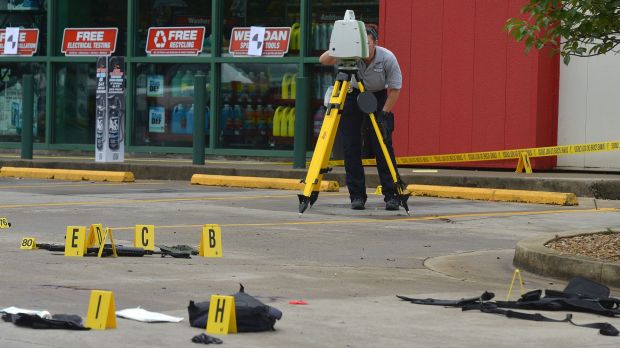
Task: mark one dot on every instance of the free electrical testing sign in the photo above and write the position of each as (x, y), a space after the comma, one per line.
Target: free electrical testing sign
(89, 41)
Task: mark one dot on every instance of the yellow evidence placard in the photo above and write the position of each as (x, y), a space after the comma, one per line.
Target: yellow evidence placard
(222, 317)
(211, 241)
(28, 243)
(144, 237)
(101, 313)
(75, 241)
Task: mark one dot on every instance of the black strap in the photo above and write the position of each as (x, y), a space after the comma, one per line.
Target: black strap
(478, 303)
(489, 307)
(605, 329)
(486, 296)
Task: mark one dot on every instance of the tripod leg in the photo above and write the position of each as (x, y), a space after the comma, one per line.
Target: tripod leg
(323, 148)
(401, 188)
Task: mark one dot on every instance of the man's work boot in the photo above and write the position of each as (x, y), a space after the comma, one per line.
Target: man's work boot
(392, 203)
(357, 203)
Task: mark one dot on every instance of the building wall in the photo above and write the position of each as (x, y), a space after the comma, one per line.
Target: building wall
(467, 85)
(588, 110)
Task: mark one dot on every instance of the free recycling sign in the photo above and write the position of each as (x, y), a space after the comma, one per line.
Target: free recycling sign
(175, 41)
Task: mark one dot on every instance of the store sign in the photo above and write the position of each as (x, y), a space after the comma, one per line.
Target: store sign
(175, 41)
(275, 42)
(89, 41)
(26, 41)
(157, 115)
(155, 86)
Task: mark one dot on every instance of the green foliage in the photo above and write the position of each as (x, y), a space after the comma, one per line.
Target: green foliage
(582, 28)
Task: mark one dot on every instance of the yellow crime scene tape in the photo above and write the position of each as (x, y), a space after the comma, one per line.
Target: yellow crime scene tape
(522, 154)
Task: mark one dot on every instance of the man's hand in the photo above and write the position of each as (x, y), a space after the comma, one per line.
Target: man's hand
(384, 116)
(385, 121)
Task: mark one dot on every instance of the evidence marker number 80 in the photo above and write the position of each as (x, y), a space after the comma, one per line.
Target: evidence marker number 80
(28, 243)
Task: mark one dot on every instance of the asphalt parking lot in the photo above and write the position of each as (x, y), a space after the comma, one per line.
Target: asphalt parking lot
(348, 265)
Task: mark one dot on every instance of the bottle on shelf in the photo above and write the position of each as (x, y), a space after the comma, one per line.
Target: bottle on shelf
(226, 119)
(324, 38)
(330, 27)
(293, 92)
(286, 86)
(316, 37)
(179, 119)
(317, 88)
(263, 84)
(176, 83)
(327, 81)
(187, 84)
(290, 122)
(268, 113)
(190, 120)
(226, 90)
(249, 119)
(317, 120)
(284, 121)
(261, 120)
(251, 86)
(237, 120)
(277, 121)
(141, 83)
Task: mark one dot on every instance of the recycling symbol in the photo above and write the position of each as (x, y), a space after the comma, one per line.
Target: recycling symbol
(160, 39)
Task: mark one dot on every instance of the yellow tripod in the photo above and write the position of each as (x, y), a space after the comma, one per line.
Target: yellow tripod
(318, 165)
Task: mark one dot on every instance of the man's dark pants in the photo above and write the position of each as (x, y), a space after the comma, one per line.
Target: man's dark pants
(351, 124)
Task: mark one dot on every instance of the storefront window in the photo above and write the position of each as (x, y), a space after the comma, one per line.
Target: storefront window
(325, 12)
(164, 104)
(27, 15)
(181, 13)
(262, 13)
(11, 95)
(258, 106)
(93, 14)
(74, 107)
(322, 78)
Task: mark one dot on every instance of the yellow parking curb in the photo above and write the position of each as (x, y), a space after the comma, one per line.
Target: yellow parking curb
(487, 194)
(66, 174)
(257, 182)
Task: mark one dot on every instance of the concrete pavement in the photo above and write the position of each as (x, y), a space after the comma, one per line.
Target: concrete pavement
(347, 264)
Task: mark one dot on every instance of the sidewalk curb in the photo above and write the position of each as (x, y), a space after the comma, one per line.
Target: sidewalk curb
(66, 174)
(582, 187)
(532, 256)
(258, 182)
(497, 195)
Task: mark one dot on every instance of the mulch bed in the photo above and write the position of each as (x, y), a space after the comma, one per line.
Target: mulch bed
(604, 246)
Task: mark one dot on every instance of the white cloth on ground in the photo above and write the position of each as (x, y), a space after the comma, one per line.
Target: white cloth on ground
(16, 310)
(143, 315)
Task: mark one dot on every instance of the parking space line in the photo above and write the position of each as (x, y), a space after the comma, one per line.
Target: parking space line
(370, 220)
(160, 200)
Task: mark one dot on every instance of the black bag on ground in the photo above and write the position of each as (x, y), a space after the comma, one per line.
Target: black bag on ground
(58, 321)
(252, 315)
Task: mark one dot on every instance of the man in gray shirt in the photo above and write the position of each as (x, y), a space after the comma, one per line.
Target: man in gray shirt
(380, 74)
